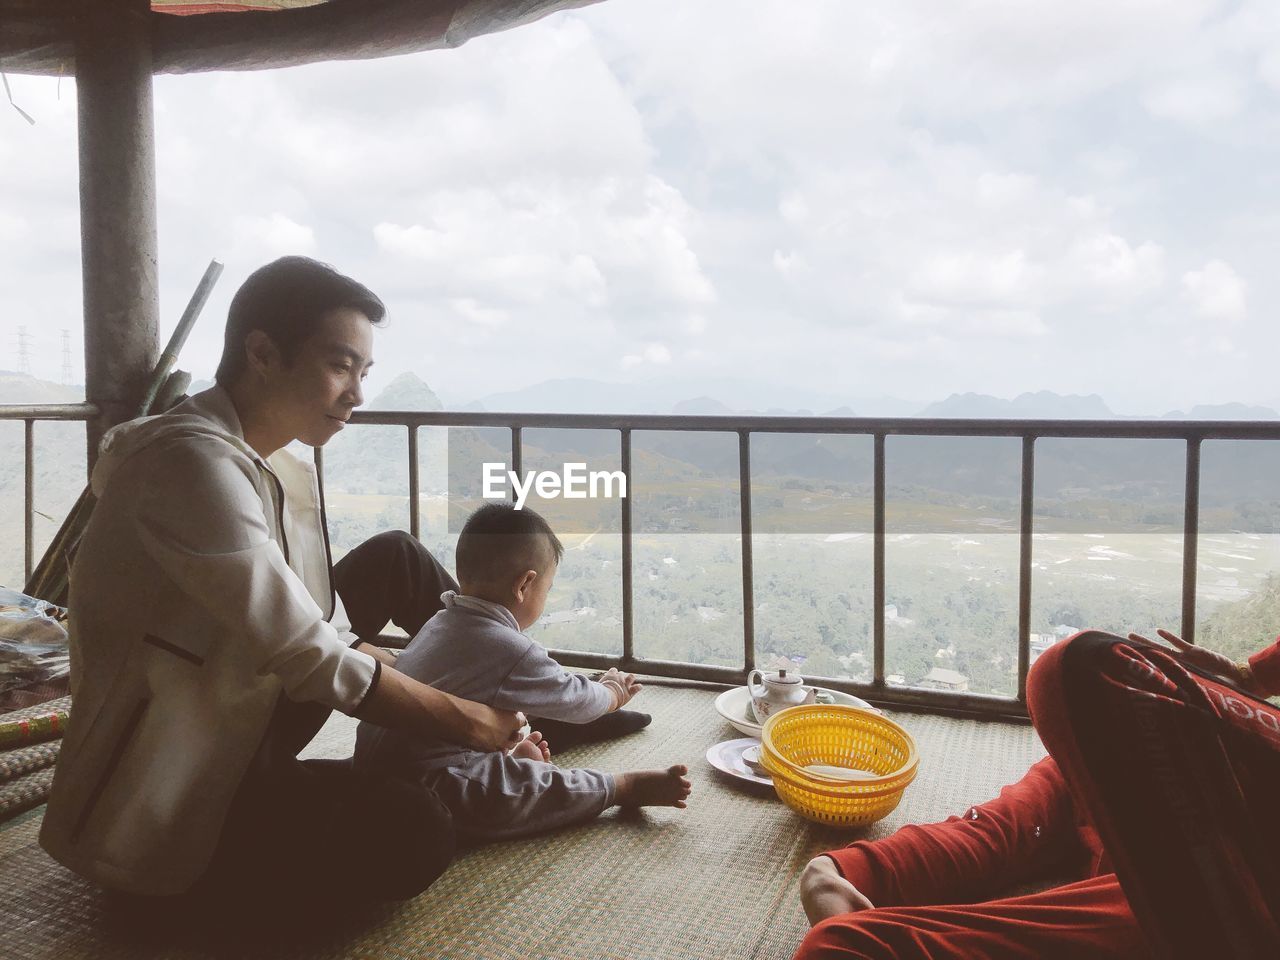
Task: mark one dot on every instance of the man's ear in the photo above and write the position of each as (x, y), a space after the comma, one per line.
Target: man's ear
(524, 585)
(261, 354)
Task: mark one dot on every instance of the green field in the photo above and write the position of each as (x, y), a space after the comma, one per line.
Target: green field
(952, 598)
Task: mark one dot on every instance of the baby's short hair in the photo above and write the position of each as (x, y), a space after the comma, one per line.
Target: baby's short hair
(499, 542)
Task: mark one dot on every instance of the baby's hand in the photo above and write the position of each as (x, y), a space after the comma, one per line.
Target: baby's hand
(624, 686)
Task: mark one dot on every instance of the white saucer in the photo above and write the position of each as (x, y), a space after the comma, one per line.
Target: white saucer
(735, 706)
(727, 758)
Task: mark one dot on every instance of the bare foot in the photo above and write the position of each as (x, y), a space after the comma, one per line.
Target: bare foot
(653, 788)
(532, 747)
(824, 893)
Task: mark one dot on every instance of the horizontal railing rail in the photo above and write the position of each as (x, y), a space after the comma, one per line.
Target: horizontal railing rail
(870, 426)
(29, 414)
(1192, 433)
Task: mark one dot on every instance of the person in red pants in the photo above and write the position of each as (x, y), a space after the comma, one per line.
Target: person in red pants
(1158, 800)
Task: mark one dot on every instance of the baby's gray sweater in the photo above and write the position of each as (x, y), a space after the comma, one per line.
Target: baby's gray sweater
(474, 649)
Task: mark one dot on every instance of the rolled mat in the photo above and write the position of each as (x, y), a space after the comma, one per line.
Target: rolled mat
(44, 721)
(18, 763)
(25, 793)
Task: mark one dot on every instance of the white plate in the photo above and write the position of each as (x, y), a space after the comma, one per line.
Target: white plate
(735, 706)
(727, 758)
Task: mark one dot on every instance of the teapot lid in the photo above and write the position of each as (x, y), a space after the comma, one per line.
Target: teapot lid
(783, 678)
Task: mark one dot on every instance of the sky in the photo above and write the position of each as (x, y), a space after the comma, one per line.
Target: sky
(890, 198)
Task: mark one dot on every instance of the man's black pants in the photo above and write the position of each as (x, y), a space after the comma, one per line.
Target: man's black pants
(314, 830)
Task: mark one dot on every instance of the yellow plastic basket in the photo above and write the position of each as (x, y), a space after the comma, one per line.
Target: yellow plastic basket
(838, 736)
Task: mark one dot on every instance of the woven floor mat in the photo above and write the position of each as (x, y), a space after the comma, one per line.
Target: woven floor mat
(717, 880)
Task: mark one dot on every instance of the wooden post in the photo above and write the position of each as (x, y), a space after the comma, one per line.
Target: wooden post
(117, 207)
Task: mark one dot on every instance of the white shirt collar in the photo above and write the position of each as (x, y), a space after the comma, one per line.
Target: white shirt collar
(487, 608)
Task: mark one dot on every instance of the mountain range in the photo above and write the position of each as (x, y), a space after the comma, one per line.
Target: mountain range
(1073, 478)
(722, 397)
(596, 396)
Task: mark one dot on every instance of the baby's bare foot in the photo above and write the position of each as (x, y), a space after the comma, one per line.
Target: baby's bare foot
(532, 747)
(653, 788)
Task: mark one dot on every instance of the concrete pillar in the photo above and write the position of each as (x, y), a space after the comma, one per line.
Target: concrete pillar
(117, 206)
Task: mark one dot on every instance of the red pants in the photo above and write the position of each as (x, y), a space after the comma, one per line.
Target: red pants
(1180, 775)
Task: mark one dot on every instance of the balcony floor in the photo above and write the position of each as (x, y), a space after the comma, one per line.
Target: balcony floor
(715, 881)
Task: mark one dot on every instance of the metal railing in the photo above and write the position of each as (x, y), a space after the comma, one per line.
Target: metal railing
(29, 414)
(1192, 433)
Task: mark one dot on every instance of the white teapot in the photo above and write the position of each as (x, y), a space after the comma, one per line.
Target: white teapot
(771, 692)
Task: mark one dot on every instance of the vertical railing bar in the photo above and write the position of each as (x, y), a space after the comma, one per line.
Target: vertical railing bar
(517, 449)
(628, 636)
(1190, 539)
(29, 520)
(877, 564)
(415, 520)
(748, 569)
(1025, 524)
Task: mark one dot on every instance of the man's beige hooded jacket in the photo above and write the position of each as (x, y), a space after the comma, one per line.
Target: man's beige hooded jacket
(201, 590)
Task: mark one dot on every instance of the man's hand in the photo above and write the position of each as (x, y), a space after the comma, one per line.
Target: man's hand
(486, 728)
(388, 657)
(623, 686)
(399, 702)
(1208, 660)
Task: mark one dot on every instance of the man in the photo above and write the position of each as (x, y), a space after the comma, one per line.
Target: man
(209, 639)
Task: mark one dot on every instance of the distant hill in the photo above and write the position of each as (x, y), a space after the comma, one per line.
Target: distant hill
(1224, 411)
(21, 388)
(585, 395)
(1042, 405)
(701, 407)
(574, 396)
(1074, 478)
(372, 459)
(406, 392)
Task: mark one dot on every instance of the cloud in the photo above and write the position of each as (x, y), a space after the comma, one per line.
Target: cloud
(696, 324)
(478, 313)
(1112, 265)
(1196, 100)
(893, 197)
(788, 264)
(968, 278)
(652, 353)
(616, 241)
(272, 236)
(1217, 292)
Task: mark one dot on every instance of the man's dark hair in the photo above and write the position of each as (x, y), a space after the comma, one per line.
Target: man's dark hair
(286, 300)
(499, 542)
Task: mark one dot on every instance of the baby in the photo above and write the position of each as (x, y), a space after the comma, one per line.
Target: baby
(475, 649)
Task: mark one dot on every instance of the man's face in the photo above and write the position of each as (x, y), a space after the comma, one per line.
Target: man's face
(316, 392)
